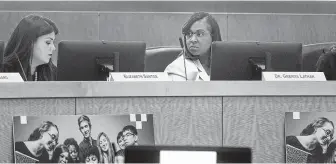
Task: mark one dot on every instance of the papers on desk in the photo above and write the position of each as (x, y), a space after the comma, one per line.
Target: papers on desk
(119, 131)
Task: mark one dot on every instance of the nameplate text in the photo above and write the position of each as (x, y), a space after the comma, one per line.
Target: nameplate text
(138, 76)
(293, 76)
(10, 77)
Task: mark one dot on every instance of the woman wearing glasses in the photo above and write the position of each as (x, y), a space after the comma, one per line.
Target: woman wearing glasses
(43, 139)
(193, 63)
(314, 139)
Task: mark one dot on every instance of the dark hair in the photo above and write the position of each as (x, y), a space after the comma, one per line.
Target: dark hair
(84, 118)
(71, 141)
(130, 128)
(310, 129)
(110, 151)
(58, 151)
(93, 150)
(20, 45)
(37, 133)
(214, 29)
(119, 135)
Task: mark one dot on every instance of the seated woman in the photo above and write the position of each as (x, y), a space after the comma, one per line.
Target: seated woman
(327, 64)
(43, 139)
(30, 48)
(193, 63)
(61, 154)
(314, 140)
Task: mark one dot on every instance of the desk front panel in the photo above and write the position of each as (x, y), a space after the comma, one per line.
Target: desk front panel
(22, 107)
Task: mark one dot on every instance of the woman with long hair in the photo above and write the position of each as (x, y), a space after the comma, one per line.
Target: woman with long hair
(30, 48)
(44, 138)
(194, 61)
(105, 148)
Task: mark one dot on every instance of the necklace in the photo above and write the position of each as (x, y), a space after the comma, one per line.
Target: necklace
(35, 76)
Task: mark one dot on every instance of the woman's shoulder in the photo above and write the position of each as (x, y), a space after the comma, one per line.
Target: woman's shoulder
(179, 64)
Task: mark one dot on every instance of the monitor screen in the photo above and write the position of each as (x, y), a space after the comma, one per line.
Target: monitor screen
(247, 60)
(187, 154)
(93, 60)
(183, 157)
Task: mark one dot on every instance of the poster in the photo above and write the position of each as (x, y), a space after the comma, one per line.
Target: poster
(79, 138)
(309, 137)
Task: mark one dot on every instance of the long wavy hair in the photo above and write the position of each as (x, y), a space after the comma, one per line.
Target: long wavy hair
(110, 151)
(20, 48)
(214, 30)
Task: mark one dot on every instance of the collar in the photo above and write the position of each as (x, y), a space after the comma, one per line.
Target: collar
(202, 73)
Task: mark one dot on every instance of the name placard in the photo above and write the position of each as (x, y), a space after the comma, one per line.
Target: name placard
(293, 76)
(138, 76)
(10, 77)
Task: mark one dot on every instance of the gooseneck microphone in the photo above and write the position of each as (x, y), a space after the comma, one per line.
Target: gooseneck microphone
(184, 56)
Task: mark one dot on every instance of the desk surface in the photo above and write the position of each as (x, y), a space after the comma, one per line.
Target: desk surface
(165, 89)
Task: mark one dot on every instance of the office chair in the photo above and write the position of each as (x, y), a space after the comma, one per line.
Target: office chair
(158, 58)
(311, 54)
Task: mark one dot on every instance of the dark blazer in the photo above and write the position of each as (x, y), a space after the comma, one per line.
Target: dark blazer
(327, 64)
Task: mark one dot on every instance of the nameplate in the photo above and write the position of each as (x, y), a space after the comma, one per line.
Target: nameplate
(10, 77)
(293, 76)
(138, 76)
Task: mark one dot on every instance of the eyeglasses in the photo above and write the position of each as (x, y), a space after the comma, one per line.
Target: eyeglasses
(54, 138)
(127, 135)
(199, 34)
(328, 133)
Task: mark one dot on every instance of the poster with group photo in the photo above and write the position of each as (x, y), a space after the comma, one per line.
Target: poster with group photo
(79, 138)
(309, 137)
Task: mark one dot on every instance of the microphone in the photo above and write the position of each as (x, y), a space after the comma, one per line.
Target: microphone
(183, 49)
(24, 74)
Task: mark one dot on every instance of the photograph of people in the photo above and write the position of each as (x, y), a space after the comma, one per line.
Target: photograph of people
(130, 135)
(61, 140)
(92, 155)
(85, 126)
(73, 149)
(29, 49)
(120, 140)
(193, 63)
(314, 139)
(43, 138)
(61, 154)
(106, 151)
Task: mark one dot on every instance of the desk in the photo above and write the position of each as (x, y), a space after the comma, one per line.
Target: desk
(185, 113)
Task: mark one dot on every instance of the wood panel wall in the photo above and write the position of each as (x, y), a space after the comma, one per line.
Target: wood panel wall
(256, 122)
(163, 29)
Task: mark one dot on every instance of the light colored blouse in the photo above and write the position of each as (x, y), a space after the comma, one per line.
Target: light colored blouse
(193, 69)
